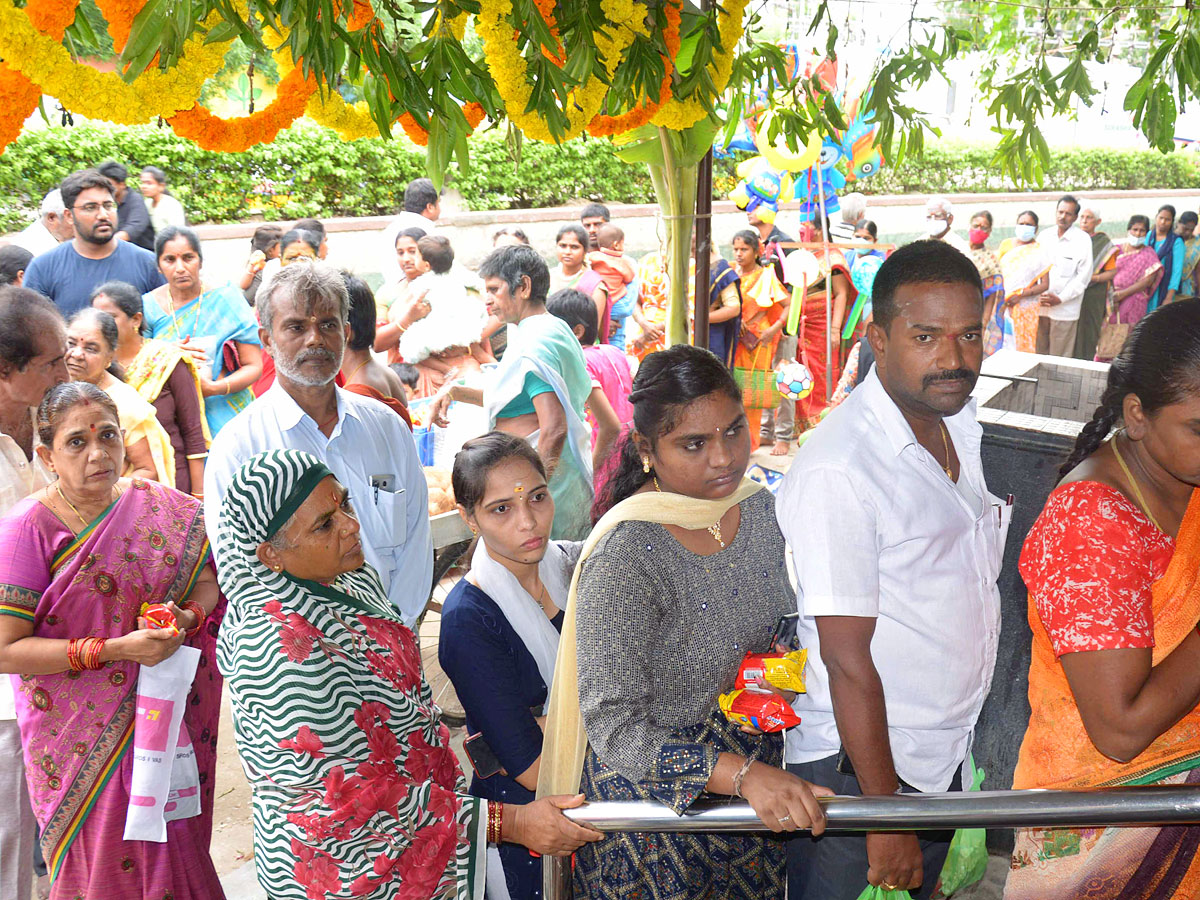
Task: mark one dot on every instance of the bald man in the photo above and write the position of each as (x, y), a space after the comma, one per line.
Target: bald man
(1095, 297)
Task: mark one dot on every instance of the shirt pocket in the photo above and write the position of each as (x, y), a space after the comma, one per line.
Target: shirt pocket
(392, 507)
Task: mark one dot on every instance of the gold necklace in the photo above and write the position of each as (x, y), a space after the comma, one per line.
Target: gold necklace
(195, 322)
(58, 488)
(946, 450)
(1137, 491)
(714, 529)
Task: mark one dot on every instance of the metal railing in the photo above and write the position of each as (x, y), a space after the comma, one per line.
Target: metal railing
(1150, 805)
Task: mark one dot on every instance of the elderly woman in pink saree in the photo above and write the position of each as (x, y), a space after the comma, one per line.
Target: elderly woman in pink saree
(78, 560)
(1138, 272)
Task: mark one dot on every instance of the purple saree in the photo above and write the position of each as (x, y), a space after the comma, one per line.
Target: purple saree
(77, 727)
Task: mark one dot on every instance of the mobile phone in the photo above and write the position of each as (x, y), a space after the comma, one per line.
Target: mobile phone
(844, 766)
(483, 758)
(785, 633)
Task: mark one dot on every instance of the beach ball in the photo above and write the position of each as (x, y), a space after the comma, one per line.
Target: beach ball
(794, 380)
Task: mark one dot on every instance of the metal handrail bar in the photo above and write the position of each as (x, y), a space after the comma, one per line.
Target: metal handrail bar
(1147, 805)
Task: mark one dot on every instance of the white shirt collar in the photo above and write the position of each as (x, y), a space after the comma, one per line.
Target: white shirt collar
(289, 413)
(895, 427)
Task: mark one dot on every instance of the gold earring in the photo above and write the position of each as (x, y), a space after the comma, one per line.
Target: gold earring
(278, 568)
(646, 464)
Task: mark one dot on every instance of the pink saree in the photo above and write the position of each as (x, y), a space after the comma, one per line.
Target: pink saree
(77, 727)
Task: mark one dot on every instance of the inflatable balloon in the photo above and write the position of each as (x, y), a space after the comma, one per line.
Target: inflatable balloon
(762, 188)
(858, 145)
(741, 141)
(862, 276)
(800, 269)
(822, 179)
(777, 152)
(794, 380)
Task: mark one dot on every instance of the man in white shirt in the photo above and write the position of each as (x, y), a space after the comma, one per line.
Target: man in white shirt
(939, 217)
(1071, 250)
(896, 548)
(303, 324)
(33, 344)
(51, 228)
(853, 209)
(422, 208)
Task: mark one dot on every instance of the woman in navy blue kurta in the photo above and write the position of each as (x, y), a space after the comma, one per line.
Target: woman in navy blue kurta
(498, 684)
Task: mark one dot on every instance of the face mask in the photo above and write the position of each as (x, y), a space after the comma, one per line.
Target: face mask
(936, 227)
(1136, 240)
(977, 236)
(1026, 233)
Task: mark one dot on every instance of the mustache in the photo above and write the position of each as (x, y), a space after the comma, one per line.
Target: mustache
(318, 354)
(949, 375)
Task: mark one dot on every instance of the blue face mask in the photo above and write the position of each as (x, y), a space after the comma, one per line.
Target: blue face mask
(1136, 240)
(1026, 233)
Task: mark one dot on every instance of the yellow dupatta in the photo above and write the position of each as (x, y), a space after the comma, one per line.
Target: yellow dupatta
(565, 742)
(150, 369)
(140, 420)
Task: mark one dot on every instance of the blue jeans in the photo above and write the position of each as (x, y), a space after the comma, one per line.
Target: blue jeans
(834, 867)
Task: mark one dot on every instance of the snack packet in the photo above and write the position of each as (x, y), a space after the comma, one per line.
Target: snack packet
(766, 712)
(781, 670)
(158, 616)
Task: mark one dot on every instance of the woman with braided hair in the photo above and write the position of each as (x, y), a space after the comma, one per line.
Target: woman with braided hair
(1113, 570)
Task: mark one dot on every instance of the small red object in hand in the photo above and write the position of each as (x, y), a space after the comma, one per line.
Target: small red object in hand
(766, 712)
(157, 615)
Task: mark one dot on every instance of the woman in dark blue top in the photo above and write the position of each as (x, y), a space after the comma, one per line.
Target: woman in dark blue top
(499, 630)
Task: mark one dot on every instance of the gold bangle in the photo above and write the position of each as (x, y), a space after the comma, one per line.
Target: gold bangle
(228, 387)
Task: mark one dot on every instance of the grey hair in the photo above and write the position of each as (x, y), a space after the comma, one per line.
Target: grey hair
(854, 206)
(939, 204)
(311, 281)
(511, 264)
(53, 203)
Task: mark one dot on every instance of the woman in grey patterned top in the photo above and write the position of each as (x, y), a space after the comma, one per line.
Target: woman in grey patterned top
(664, 617)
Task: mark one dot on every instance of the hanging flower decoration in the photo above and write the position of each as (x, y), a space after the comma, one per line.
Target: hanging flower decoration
(604, 126)
(51, 17)
(360, 16)
(509, 69)
(350, 121)
(681, 114)
(119, 14)
(234, 135)
(104, 95)
(18, 99)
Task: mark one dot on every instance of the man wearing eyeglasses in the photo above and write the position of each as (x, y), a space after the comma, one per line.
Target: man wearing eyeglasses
(68, 273)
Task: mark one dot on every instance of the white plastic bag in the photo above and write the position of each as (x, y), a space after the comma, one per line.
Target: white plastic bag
(160, 746)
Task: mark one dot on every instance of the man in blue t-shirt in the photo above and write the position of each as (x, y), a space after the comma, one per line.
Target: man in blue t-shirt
(71, 271)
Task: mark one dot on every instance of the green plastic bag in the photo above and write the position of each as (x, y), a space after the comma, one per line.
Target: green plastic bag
(966, 863)
(877, 893)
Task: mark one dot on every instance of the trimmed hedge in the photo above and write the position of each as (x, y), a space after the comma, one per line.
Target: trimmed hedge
(309, 171)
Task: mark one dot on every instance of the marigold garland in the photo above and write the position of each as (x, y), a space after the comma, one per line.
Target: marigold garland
(604, 126)
(51, 17)
(119, 14)
(211, 132)
(350, 121)
(18, 99)
(509, 69)
(681, 114)
(104, 95)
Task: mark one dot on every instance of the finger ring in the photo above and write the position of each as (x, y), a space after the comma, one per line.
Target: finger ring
(888, 887)
(783, 819)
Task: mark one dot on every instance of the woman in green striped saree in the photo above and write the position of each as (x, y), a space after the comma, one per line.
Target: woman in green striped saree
(356, 790)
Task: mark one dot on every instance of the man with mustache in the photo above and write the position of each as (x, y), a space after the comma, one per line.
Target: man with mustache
(68, 273)
(304, 326)
(896, 548)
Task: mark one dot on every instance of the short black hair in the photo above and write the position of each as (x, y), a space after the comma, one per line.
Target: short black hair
(575, 308)
(511, 264)
(174, 232)
(313, 225)
(13, 261)
(126, 297)
(156, 173)
(595, 209)
(419, 194)
(407, 373)
(114, 170)
(78, 182)
(296, 235)
(1138, 219)
(436, 251)
(1069, 198)
(265, 237)
(921, 262)
(362, 312)
(24, 314)
(1187, 217)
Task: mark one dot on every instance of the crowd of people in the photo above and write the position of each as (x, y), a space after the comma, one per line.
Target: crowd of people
(243, 454)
